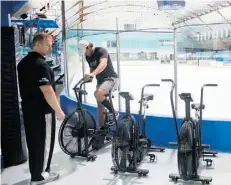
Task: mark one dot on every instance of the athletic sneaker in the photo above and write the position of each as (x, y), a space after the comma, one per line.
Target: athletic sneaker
(47, 178)
(111, 117)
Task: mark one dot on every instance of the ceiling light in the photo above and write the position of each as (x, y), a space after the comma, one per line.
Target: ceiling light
(24, 16)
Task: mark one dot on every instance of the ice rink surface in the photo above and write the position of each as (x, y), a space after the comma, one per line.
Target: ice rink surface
(135, 74)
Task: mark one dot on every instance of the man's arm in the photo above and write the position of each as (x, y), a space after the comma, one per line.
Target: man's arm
(102, 63)
(50, 97)
(44, 83)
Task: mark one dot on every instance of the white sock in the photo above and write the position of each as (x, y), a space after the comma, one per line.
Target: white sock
(45, 175)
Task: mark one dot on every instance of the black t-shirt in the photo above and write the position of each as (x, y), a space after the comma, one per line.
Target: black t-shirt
(94, 61)
(33, 72)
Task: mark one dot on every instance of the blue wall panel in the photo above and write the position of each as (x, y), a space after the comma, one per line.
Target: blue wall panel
(5, 10)
(9, 7)
(218, 134)
(161, 129)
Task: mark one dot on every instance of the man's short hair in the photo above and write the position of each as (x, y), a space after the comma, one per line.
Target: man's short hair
(90, 45)
(39, 37)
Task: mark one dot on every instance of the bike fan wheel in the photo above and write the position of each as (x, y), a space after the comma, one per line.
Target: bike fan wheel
(71, 133)
(121, 156)
(185, 151)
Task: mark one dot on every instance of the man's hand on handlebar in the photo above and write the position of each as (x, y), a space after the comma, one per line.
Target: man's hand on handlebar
(88, 77)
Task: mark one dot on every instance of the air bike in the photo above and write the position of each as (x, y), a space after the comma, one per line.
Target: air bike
(144, 99)
(78, 135)
(130, 144)
(199, 118)
(189, 139)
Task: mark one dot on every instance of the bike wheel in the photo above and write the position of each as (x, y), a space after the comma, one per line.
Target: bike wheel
(71, 133)
(185, 151)
(121, 156)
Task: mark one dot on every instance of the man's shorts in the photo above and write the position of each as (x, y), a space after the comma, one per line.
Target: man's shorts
(108, 85)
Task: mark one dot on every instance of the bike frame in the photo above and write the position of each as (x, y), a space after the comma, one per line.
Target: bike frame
(141, 120)
(197, 127)
(201, 115)
(79, 92)
(173, 107)
(80, 107)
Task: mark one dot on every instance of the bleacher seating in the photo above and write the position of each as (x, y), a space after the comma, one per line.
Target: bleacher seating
(56, 68)
(58, 78)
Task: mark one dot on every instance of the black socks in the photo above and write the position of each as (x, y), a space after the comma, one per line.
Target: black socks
(102, 128)
(107, 104)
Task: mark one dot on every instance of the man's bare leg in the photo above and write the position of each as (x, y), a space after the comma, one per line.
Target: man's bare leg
(102, 102)
(100, 114)
(99, 95)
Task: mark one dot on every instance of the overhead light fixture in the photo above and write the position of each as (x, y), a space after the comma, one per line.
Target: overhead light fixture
(43, 8)
(41, 15)
(24, 16)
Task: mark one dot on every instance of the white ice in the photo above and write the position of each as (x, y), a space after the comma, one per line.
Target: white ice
(135, 74)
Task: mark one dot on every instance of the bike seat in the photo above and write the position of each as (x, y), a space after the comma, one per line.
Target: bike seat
(196, 106)
(126, 95)
(143, 141)
(107, 95)
(185, 96)
(147, 97)
(112, 95)
(81, 91)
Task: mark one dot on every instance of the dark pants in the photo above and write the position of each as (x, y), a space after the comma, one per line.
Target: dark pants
(36, 126)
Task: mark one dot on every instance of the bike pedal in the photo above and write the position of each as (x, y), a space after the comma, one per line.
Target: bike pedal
(152, 157)
(209, 162)
(142, 172)
(107, 138)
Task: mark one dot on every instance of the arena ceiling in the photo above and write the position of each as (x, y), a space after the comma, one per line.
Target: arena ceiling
(198, 18)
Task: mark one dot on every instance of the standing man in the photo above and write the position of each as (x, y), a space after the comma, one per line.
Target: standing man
(39, 105)
(101, 66)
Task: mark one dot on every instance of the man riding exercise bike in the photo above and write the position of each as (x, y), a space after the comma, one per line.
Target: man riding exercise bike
(101, 67)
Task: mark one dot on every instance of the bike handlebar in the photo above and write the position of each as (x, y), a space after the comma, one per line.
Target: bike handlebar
(211, 85)
(147, 85)
(82, 81)
(172, 105)
(152, 85)
(141, 105)
(167, 80)
(201, 103)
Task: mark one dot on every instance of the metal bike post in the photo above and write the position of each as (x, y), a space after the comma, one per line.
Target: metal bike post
(66, 82)
(118, 60)
(175, 71)
(83, 62)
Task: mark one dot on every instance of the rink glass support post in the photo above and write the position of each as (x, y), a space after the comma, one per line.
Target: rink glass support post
(175, 70)
(64, 47)
(82, 60)
(118, 60)
(9, 20)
